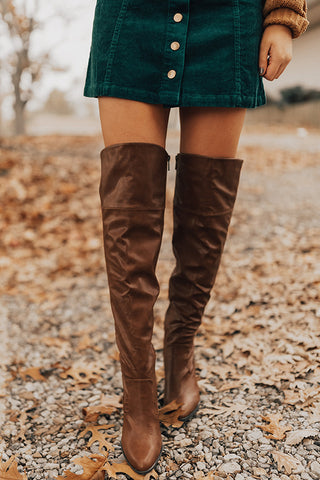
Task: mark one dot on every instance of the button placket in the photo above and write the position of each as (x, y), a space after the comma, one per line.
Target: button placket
(174, 54)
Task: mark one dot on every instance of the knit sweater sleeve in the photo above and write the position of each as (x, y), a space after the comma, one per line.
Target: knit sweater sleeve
(292, 13)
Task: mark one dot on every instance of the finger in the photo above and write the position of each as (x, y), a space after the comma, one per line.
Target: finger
(280, 70)
(263, 57)
(272, 68)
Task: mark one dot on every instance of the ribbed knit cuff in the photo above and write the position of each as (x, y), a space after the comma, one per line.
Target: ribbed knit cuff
(298, 6)
(285, 16)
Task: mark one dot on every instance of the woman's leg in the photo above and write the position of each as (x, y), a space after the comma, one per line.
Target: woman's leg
(207, 178)
(132, 192)
(211, 131)
(124, 120)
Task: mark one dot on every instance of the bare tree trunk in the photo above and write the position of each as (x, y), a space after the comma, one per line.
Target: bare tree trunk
(19, 121)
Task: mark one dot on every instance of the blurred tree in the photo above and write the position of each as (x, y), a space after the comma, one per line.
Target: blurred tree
(58, 103)
(24, 70)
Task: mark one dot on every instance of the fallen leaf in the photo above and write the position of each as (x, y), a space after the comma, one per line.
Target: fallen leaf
(277, 431)
(284, 460)
(92, 413)
(91, 466)
(98, 436)
(113, 468)
(9, 470)
(293, 438)
(33, 372)
(168, 415)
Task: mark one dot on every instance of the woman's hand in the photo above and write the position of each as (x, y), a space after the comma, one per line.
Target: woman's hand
(276, 42)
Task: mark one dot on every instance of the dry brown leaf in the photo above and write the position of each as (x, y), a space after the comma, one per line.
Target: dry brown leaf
(227, 410)
(228, 347)
(277, 431)
(168, 415)
(160, 373)
(315, 417)
(115, 355)
(111, 401)
(33, 372)
(302, 397)
(284, 460)
(54, 341)
(293, 438)
(22, 419)
(83, 375)
(91, 465)
(113, 468)
(92, 413)
(230, 385)
(84, 342)
(98, 436)
(9, 470)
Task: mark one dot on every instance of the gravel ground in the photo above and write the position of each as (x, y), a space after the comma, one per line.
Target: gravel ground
(265, 302)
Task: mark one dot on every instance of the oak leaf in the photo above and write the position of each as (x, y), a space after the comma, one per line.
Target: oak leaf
(111, 401)
(33, 372)
(9, 470)
(85, 342)
(91, 465)
(82, 375)
(98, 436)
(284, 460)
(225, 410)
(92, 413)
(277, 431)
(113, 468)
(293, 438)
(170, 413)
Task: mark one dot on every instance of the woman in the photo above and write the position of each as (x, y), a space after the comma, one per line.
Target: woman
(208, 58)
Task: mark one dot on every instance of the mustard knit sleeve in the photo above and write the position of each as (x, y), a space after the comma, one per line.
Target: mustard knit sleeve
(292, 13)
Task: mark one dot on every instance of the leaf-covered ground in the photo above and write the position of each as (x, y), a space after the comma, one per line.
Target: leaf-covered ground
(257, 351)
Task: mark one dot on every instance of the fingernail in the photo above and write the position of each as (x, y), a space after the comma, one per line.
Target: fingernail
(261, 70)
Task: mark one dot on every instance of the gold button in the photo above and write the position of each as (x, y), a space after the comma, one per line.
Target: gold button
(172, 73)
(177, 17)
(175, 45)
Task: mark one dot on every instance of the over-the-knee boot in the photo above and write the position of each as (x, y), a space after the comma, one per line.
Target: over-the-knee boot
(132, 192)
(205, 192)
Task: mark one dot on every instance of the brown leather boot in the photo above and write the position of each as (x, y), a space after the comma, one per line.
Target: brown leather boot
(205, 192)
(132, 192)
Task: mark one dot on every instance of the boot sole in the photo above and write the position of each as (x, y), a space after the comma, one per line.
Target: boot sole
(143, 472)
(190, 416)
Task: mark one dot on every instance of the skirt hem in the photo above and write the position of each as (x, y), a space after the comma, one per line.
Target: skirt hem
(186, 99)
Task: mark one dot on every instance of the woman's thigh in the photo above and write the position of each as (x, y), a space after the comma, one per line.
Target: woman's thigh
(124, 120)
(211, 131)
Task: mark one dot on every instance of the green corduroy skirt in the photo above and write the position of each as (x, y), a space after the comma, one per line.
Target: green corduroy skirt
(177, 52)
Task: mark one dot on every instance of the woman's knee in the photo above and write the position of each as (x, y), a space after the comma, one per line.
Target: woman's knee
(124, 120)
(211, 131)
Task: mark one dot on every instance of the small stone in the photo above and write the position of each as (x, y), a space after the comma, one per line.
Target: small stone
(254, 435)
(315, 469)
(231, 456)
(185, 442)
(304, 476)
(208, 457)
(179, 457)
(201, 465)
(230, 467)
(239, 477)
(186, 467)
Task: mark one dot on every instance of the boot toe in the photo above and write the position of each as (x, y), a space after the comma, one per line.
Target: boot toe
(142, 456)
